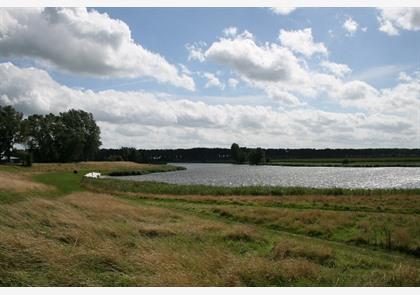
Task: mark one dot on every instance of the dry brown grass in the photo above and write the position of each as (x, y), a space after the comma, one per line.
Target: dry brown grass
(243, 233)
(93, 239)
(292, 249)
(263, 272)
(19, 183)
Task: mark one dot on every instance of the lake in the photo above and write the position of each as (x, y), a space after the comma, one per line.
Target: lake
(320, 177)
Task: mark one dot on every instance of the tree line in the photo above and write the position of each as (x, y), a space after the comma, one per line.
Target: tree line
(71, 136)
(237, 154)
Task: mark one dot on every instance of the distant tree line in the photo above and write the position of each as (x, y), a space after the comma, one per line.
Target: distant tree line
(198, 155)
(68, 137)
(237, 154)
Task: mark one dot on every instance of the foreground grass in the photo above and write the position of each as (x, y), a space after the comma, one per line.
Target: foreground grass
(101, 233)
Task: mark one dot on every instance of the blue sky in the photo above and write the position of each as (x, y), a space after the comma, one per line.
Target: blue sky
(94, 55)
(167, 30)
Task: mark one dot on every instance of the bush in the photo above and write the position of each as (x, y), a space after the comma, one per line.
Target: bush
(115, 158)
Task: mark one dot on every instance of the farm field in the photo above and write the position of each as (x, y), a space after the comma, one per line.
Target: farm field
(58, 229)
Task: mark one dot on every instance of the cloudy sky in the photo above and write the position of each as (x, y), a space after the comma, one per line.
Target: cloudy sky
(176, 77)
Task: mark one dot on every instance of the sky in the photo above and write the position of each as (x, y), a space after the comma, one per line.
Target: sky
(207, 77)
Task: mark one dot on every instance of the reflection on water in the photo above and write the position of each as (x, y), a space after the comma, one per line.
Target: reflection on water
(244, 175)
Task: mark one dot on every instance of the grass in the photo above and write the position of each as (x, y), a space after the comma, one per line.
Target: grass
(350, 162)
(109, 233)
(153, 187)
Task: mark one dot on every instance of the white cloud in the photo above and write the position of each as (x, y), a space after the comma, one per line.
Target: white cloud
(391, 20)
(269, 62)
(302, 41)
(350, 26)
(339, 70)
(143, 119)
(82, 42)
(195, 51)
(230, 32)
(269, 67)
(282, 10)
(232, 82)
(213, 81)
(404, 77)
(285, 78)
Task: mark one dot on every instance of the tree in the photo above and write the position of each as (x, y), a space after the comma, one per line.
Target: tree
(235, 152)
(131, 154)
(71, 136)
(78, 137)
(238, 154)
(40, 136)
(256, 156)
(10, 124)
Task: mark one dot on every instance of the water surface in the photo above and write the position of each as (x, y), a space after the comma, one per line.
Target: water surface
(320, 177)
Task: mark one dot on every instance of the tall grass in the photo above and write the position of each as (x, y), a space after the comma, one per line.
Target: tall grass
(180, 189)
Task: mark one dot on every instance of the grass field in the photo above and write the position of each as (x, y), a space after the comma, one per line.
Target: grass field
(57, 230)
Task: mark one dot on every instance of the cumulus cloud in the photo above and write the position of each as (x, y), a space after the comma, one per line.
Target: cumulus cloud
(270, 67)
(302, 41)
(339, 70)
(285, 78)
(213, 81)
(391, 20)
(350, 26)
(282, 10)
(82, 42)
(142, 119)
(269, 62)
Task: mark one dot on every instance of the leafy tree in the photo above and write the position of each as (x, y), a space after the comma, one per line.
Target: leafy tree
(79, 136)
(10, 124)
(40, 136)
(235, 152)
(71, 136)
(256, 156)
(238, 154)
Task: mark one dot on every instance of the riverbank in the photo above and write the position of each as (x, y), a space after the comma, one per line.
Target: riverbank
(348, 162)
(58, 230)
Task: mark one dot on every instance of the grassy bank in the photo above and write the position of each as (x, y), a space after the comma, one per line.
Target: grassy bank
(116, 233)
(181, 189)
(58, 179)
(349, 162)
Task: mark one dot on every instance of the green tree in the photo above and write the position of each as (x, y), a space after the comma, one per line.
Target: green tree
(256, 156)
(10, 126)
(71, 136)
(239, 155)
(235, 152)
(40, 136)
